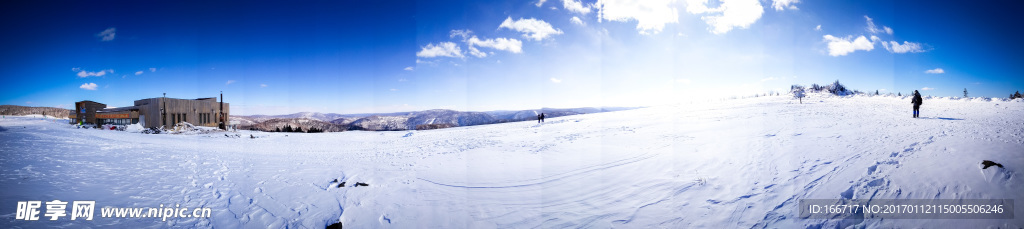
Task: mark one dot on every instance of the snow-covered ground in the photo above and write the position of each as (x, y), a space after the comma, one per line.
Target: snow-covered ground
(732, 163)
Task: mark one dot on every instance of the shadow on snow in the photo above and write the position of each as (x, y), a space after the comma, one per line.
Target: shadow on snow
(949, 119)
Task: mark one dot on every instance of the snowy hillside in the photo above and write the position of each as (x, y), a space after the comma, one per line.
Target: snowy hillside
(524, 115)
(300, 115)
(280, 123)
(404, 120)
(742, 163)
(8, 110)
(378, 122)
(411, 120)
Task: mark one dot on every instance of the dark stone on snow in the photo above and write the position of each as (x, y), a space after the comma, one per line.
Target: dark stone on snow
(334, 226)
(988, 163)
(361, 184)
(342, 184)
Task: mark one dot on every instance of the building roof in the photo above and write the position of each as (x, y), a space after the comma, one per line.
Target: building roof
(118, 109)
(199, 99)
(90, 101)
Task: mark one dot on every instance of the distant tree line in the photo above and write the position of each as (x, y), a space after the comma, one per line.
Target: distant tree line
(834, 88)
(434, 126)
(21, 110)
(289, 128)
(837, 88)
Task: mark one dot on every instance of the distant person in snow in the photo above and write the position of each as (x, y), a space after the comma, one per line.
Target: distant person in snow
(541, 117)
(538, 118)
(917, 103)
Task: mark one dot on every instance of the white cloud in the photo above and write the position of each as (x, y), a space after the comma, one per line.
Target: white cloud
(554, 80)
(896, 47)
(927, 89)
(88, 86)
(574, 6)
(402, 80)
(152, 69)
(505, 44)
(263, 85)
(83, 73)
(577, 20)
(464, 34)
(874, 29)
(731, 14)
(410, 68)
(138, 73)
(781, 5)
(108, 34)
(935, 71)
(539, 3)
(817, 28)
(650, 15)
(842, 46)
(447, 49)
(684, 81)
(229, 82)
(531, 28)
(476, 52)
(393, 89)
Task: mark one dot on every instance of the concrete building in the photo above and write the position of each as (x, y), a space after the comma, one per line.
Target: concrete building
(154, 112)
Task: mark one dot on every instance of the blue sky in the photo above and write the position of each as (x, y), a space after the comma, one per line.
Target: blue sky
(386, 56)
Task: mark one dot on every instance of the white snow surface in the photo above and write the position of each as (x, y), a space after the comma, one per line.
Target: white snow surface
(728, 164)
(134, 128)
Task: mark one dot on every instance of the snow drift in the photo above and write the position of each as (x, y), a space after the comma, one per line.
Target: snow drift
(729, 164)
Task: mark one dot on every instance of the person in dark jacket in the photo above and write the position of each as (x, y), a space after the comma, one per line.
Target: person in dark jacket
(541, 117)
(917, 101)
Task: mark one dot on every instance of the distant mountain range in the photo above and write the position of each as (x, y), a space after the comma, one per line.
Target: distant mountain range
(428, 119)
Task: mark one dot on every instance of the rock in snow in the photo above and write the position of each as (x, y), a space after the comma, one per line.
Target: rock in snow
(988, 163)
